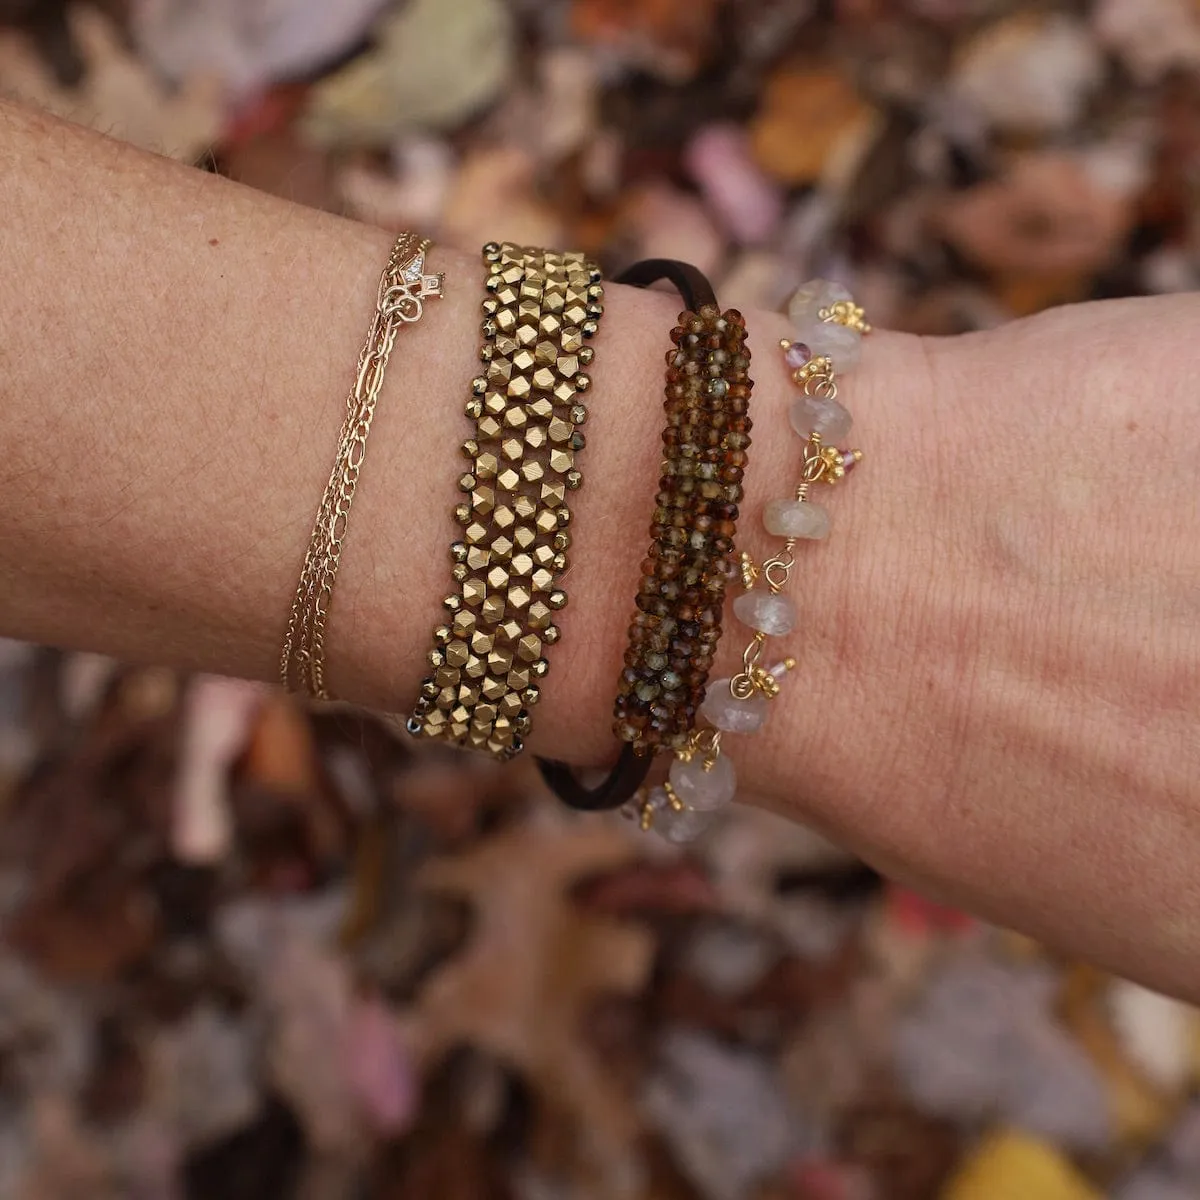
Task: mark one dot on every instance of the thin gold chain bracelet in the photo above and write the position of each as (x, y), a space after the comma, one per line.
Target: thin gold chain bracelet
(403, 288)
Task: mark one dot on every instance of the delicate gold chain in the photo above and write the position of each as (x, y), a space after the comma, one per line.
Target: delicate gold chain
(402, 289)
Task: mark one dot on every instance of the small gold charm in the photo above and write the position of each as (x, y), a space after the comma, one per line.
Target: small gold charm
(816, 369)
(846, 312)
(750, 571)
(764, 682)
(836, 463)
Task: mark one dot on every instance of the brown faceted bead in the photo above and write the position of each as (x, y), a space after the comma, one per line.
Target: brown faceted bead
(677, 621)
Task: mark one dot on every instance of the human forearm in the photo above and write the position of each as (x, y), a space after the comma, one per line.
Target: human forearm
(178, 352)
(1038, 760)
(176, 355)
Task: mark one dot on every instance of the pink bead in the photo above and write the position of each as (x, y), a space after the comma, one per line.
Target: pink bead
(797, 355)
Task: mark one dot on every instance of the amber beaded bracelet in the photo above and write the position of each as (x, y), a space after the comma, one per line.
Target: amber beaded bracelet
(674, 633)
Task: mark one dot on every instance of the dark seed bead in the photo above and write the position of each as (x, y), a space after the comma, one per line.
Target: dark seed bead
(676, 623)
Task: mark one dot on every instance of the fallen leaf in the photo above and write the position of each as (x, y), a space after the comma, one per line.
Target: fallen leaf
(1008, 1166)
(522, 987)
(433, 65)
(812, 125)
(118, 94)
(1031, 73)
(670, 37)
(1140, 1109)
(217, 721)
(1047, 217)
(249, 43)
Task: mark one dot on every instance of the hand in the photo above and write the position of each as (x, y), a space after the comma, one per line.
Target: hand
(999, 698)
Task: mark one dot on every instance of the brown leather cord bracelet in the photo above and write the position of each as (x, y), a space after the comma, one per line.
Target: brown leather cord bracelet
(674, 633)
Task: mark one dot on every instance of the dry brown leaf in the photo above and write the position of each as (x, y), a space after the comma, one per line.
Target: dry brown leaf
(813, 125)
(673, 37)
(86, 938)
(535, 965)
(118, 95)
(493, 195)
(282, 754)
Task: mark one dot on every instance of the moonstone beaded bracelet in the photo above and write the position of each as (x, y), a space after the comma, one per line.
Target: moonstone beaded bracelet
(702, 781)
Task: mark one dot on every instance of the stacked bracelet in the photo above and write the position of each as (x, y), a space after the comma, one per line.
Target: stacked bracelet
(540, 310)
(702, 780)
(402, 289)
(675, 630)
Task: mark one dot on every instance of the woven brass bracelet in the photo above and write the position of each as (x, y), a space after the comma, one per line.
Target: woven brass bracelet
(403, 288)
(541, 309)
(674, 633)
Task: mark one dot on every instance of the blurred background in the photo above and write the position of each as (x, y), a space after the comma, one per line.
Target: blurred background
(254, 951)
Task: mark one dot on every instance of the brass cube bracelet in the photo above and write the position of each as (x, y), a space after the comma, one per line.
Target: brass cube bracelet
(541, 309)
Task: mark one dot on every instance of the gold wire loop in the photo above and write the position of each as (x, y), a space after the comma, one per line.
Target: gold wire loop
(399, 300)
(776, 571)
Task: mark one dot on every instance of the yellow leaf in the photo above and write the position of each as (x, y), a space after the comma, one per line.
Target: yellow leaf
(1012, 1166)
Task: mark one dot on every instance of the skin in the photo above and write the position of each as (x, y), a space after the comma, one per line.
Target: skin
(999, 645)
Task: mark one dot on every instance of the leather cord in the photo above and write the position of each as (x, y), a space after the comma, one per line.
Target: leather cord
(631, 768)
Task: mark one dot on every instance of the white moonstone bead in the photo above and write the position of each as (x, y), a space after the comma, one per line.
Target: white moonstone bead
(731, 715)
(809, 298)
(838, 342)
(820, 415)
(796, 519)
(700, 789)
(772, 615)
(678, 826)
(681, 827)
